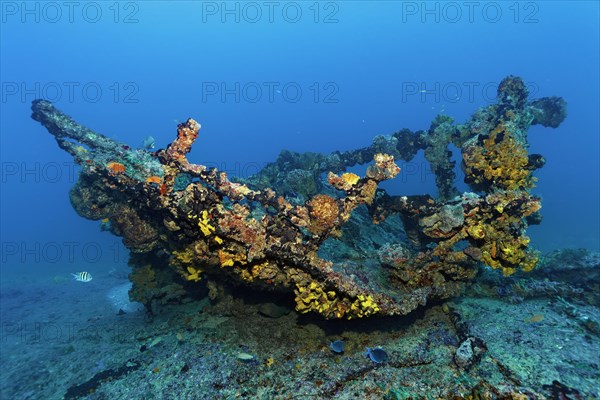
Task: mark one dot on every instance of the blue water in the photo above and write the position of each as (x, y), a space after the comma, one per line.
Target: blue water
(136, 69)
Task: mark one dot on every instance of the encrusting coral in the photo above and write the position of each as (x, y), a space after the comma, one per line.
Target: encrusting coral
(500, 161)
(199, 222)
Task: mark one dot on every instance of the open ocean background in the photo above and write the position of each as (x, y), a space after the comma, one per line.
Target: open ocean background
(307, 77)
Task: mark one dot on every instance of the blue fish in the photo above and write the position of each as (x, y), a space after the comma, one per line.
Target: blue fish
(149, 143)
(377, 355)
(337, 346)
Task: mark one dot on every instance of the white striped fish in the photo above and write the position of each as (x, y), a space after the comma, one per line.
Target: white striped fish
(82, 276)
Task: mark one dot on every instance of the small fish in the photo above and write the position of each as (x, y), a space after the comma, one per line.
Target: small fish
(149, 143)
(535, 318)
(377, 355)
(245, 357)
(82, 276)
(337, 346)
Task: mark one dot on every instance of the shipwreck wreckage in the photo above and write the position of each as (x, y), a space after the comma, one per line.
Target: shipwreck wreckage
(280, 230)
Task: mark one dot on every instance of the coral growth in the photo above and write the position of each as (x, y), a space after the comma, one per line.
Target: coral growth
(271, 231)
(115, 167)
(324, 213)
(143, 279)
(500, 161)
